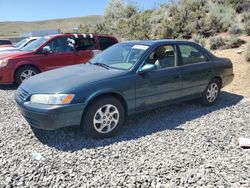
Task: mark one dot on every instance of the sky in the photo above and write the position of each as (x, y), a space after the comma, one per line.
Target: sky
(34, 10)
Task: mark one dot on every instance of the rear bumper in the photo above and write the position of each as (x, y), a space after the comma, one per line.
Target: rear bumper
(227, 80)
(6, 76)
(50, 117)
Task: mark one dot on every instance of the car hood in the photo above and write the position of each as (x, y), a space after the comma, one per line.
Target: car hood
(12, 54)
(3, 46)
(68, 78)
(7, 48)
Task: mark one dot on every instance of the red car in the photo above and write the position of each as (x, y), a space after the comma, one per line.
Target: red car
(51, 52)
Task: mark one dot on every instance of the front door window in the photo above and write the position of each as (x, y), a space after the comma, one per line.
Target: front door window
(61, 44)
(163, 57)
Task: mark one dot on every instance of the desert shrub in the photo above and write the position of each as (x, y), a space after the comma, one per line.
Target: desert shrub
(245, 17)
(247, 28)
(183, 19)
(223, 16)
(139, 26)
(199, 39)
(118, 9)
(95, 28)
(216, 42)
(179, 19)
(234, 42)
(238, 5)
(87, 28)
(235, 30)
(246, 6)
(247, 53)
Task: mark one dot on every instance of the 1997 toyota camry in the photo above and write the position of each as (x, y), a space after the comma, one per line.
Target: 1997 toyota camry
(127, 78)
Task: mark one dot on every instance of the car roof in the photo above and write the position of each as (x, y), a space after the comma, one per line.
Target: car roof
(158, 41)
(87, 35)
(33, 37)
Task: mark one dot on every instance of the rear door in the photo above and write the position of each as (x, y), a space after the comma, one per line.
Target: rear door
(84, 47)
(196, 69)
(62, 54)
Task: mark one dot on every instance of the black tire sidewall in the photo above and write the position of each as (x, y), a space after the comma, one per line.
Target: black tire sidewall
(88, 116)
(21, 70)
(204, 95)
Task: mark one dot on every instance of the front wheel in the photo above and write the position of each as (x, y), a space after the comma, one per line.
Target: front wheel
(212, 92)
(25, 73)
(103, 118)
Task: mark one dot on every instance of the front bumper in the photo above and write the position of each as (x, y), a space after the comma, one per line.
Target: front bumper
(51, 117)
(6, 76)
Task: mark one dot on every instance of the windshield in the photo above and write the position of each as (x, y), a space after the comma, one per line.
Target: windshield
(120, 56)
(36, 44)
(20, 44)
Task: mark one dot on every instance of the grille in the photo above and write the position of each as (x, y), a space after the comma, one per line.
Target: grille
(22, 94)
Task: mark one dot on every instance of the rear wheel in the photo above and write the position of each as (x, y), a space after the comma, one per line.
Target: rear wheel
(103, 118)
(212, 92)
(24, 73)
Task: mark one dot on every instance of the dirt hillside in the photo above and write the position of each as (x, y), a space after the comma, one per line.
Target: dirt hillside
(66, 25)
(241, 83)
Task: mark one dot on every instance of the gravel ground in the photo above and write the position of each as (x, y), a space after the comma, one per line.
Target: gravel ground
(184, 145)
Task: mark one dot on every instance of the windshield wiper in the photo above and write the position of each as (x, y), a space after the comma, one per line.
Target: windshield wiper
(102, 65)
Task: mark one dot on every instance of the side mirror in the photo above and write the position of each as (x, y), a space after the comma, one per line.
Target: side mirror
(147, 68)
(47, 50)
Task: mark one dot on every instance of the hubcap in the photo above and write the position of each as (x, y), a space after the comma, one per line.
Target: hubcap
(106, 118)
(212, 92)
(27, 74)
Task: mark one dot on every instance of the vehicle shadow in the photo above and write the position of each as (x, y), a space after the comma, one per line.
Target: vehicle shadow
(147, 123)
(8, 87)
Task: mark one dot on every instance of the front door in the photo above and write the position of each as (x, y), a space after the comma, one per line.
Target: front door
(162, 85)
(62, 54)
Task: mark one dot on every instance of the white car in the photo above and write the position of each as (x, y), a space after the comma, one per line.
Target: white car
(19, 45)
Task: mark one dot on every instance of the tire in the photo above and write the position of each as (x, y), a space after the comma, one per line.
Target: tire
(211, 93)
(26, 70)
(103, 118)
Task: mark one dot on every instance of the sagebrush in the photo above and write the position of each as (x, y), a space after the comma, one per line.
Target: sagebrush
(176, 19)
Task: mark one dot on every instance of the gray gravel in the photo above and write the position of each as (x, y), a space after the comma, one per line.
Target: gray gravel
(184, 145)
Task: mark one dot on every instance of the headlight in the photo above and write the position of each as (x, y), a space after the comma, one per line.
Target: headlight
(52, 99)
(3, 62)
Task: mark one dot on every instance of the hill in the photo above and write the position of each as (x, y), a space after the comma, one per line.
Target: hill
(66, 25)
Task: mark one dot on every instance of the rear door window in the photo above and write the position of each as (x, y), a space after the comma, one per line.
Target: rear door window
(106, 42)
(85, 44)
(191, 55)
